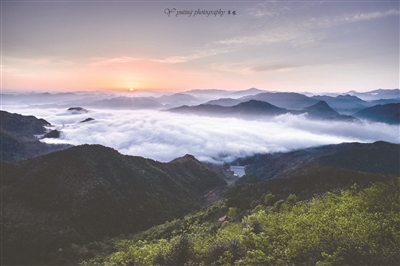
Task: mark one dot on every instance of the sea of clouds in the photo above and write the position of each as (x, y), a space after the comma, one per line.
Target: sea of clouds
(163, 136)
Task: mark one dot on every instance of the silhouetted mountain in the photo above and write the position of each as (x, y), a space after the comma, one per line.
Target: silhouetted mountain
(52, 134)
(387, 113)
(251, 91)
(249, 108)
(343, 103)
(254, 107)
(288, 100)
(131, 103)
(77, 110)
(378, 158)
(320, 110)
(178, 97)
(18, 140)
(225, 102)
(91, 191)
(202, 109)
(377, 94)
(87, 120)
(40, 97)
(26, 126)
(383, 101)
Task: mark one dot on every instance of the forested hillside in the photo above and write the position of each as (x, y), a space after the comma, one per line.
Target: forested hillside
(353, 226)
(87, 192)
(379, 157)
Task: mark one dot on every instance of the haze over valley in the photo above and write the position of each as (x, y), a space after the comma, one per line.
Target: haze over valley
(78, 181)
(217, 134)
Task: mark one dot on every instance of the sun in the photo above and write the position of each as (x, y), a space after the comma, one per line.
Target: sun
(131, 89)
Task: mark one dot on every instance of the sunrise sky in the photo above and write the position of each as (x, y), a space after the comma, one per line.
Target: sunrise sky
(299, 46)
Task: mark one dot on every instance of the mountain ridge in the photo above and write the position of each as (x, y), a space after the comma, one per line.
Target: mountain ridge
(387, 113)
(18, 137)
(378, 158)
(88, 192)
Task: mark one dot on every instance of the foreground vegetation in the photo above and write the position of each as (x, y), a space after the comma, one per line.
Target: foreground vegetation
(349, 226)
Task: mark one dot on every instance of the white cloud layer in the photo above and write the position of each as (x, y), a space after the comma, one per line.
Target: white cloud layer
(164, 136)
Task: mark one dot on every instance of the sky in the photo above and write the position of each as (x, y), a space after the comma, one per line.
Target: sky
(314, 46)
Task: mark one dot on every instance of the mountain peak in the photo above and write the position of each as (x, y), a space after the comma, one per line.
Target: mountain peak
(321, 109)
(185, 158)
(254, 103)
(320, 104)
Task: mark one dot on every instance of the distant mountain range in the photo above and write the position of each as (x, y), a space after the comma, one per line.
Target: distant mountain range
(249, 108)
(346, 104)
(388, 113)
(253, 108)
(291, 100)
(52, 99)
(377, 94)
(288, 100)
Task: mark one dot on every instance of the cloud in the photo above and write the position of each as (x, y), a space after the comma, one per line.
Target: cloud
(330, 21)
(6, 69)
(243, 68)
(208, 50)
(282, 67)
(368, 16)
(164, 136)
(238, 43)
(299, 32)
(101, 61)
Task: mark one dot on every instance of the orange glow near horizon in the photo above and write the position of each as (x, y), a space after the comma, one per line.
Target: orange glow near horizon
(107, 76)
(122, 73)
(118, 74)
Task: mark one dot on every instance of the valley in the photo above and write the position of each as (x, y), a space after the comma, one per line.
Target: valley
(226, 191)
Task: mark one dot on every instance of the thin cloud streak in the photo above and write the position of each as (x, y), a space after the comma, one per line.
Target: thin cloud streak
(101, 61)
(373, 15)
(353, 17)
(198, 53)
(281, 67)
